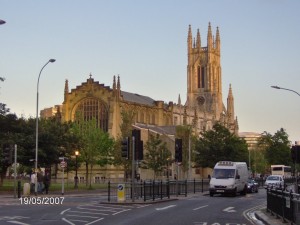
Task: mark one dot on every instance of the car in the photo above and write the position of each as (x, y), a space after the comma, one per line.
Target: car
(252, 186)
(275, 181)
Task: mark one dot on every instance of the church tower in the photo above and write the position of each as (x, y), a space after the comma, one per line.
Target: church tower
(204, 79)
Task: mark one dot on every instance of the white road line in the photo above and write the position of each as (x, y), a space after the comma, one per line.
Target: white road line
(69, 222)
(124, 210)
(94, 221)
(200, 207)
(64, 211)
(170, 206)
(229, 209)
(17, 222)
(93, 217)
(105, 214)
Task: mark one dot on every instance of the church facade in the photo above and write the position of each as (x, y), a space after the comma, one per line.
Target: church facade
(203, 107)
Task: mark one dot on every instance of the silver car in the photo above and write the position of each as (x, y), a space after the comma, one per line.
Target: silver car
(275, 181)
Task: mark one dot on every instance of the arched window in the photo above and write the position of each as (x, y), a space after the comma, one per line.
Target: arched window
(90, 108)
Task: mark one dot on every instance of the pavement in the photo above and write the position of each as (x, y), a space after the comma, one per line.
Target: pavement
(260, 214)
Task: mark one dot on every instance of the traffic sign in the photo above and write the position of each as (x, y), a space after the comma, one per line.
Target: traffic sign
(63, 164)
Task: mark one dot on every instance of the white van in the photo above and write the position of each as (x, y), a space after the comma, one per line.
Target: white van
(229, 178)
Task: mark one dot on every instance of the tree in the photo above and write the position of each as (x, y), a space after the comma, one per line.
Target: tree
(218, 144)
(276, 147)
(96, 145)
(157, 155)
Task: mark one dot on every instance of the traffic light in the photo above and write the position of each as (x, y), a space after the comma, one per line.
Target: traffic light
(125, 148)
(7, 154)
(295, 153)
(138, 145)
(178, 150)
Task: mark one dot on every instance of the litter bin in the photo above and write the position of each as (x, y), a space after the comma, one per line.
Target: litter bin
(26, 189)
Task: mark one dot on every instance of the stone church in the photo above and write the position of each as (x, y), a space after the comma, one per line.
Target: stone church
(203, 107)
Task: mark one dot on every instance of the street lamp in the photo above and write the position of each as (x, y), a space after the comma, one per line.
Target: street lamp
(37, 125)
(76, 168)
(276, 87)
(2, 22)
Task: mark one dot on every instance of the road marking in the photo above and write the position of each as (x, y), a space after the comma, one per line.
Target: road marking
(64, 211)
(170, 206)
(94, 221)
(229, 209)
(200, 207)
(17, 222)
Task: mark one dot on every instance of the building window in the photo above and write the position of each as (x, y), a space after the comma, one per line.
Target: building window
(90, 108)
(153, 119)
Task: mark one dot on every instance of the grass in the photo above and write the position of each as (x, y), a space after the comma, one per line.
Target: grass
(8, 186)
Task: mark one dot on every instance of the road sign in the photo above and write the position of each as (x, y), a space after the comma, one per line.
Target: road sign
(63, 164)
(121, 193)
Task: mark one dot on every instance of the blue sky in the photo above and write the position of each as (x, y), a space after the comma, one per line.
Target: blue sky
(145, 42)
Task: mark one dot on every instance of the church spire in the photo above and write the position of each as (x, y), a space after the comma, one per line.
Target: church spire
(209, 38)
(218, 40)
(198, 42)
(114, 83)
(66, 89)
(230, 106)
(190, 40)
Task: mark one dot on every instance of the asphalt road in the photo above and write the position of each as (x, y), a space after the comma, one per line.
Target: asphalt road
(192, 210)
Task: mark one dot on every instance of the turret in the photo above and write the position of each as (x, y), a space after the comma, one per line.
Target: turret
(198, 42)
(230, 106)
(209, 39)
(190, 40)
(218, 42)
(66, 90)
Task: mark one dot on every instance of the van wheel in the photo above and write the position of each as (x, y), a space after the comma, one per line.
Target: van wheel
(234, 193)
(211, 194)
(244, 191)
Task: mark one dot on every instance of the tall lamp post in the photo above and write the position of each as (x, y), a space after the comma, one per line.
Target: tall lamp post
(76, 168)
(276, 87)
(37, 125)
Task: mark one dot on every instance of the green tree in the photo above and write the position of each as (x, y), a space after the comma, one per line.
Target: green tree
(157, 155)
(277, 148)
(96, 145)
(218, 144)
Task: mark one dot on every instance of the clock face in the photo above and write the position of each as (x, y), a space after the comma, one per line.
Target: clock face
(201, 100)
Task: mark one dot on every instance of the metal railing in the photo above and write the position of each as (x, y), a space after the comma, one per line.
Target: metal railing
(284, 205)
(154, 189)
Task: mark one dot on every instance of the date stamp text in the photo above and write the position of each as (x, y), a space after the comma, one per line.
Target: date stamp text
(41, 200)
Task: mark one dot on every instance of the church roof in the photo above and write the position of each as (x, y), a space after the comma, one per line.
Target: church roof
(136, 98)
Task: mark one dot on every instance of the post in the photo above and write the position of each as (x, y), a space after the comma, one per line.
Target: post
(76, 169)
(37, 125)
(63, 179)
(15, 171)
(133, 168)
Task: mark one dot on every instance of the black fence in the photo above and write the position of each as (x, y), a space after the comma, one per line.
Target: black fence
(151, 190)
(284, 205)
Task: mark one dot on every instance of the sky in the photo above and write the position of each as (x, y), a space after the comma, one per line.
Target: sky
(145, 43)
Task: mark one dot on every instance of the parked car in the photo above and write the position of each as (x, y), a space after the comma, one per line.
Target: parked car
(275, 181)
(252, 186)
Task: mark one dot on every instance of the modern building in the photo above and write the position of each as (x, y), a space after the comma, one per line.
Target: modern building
(203, 107)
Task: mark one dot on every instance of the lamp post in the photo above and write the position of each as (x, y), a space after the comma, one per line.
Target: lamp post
(2, 22)
(276, 87)
(37, 125)
(76, 168)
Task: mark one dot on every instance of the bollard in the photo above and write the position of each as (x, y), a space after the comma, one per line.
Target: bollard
(19, 189)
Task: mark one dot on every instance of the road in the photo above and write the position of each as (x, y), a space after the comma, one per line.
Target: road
(192, 210)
